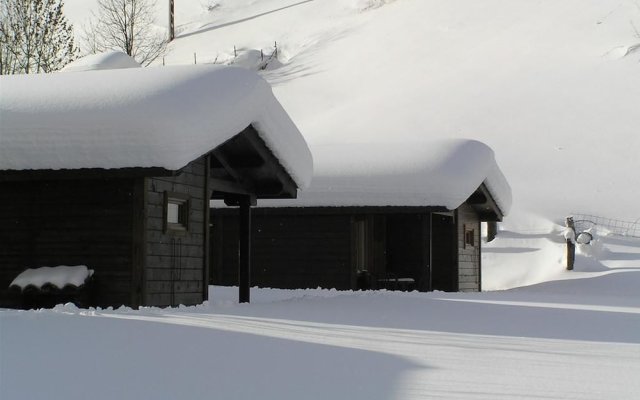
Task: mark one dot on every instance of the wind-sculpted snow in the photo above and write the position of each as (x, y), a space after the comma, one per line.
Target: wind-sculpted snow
(403, 173)
(140, 117)
(319, 344)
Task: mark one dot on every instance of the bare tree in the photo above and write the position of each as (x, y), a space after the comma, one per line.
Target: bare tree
(126, 25)
(34, 37)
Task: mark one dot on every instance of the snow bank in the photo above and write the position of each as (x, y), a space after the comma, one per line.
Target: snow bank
(106, 60)
(141, 117)
(58, 277)
(404, 173)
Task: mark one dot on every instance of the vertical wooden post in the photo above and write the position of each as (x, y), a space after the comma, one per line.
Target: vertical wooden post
(571, 245)
(206, 260)
(430, 266)
(244, 274)
(492, 230)
(172, 26)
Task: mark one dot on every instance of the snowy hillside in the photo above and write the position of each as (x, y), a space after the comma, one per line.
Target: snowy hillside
(552, 86)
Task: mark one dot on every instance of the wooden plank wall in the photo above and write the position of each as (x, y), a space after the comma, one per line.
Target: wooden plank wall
(174, 271)
(468, 256)
(288, 251)
(68, 222)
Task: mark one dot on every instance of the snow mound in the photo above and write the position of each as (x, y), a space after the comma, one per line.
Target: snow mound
(107, 60)
(623, 51)
(58, 277)
(141, 117)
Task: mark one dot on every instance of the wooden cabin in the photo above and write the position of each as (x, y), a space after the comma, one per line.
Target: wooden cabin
(115, 169)
(403, 216)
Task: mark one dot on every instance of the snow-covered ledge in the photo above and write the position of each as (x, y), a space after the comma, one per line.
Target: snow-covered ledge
(59, 277)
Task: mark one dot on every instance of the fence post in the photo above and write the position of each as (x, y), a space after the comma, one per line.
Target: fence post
(195, 58)
(235, 52)
(570, 236)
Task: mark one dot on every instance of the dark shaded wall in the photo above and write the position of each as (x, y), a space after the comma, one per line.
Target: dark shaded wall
(288, 251)
(68, 222)
(308, 248)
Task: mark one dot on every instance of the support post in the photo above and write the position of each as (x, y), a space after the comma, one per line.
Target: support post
(492, 230)
(244, 274)
(570, 236)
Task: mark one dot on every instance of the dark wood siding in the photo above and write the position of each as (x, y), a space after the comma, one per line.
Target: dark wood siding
(174, 270)
(468, 222)
(288, 251)
(315, 247)
(69, 222)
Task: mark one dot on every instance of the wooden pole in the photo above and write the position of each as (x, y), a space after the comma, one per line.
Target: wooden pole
(244, 273)
(571, 245)
(172, 26)
(492, 230)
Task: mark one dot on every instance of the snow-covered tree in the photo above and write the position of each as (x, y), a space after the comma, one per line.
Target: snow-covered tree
(126, 25)
(34, 37)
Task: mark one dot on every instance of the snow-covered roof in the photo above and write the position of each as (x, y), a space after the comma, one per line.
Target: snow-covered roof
(141, 117)
(107, 60)
(428, 173)
(58, 277)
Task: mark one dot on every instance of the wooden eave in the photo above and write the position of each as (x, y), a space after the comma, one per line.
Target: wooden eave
(82, 173)
(244, 165)
(346, 210)
(485, 205)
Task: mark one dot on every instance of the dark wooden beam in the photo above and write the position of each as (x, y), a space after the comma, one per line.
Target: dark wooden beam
(207, 229)
(336, 210)
(289, 187)
(220, 187)
(244, 264)
(82, 173)
(229, 168)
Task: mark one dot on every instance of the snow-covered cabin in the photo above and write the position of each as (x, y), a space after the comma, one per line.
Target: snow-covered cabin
(114, 170)
(402, 215)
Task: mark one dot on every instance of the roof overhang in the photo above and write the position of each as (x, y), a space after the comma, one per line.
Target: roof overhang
(485, 205)
(243, 166)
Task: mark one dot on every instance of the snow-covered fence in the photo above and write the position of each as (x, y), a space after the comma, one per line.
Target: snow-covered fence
(248, 58)
(584, 222)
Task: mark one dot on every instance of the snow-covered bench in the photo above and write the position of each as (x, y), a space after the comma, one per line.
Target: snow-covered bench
(45, 287)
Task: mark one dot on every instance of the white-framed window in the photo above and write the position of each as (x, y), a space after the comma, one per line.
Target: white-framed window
(176, 212)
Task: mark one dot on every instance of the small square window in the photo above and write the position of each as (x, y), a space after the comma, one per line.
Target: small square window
(469, 237)
(176, 212)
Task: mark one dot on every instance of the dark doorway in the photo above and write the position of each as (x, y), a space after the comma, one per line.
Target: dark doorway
(404, 252)
(444, 272)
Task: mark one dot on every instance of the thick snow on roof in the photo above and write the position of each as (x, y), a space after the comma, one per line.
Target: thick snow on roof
(426, 173)
(59, 277)
(140, 117)
(107, 60)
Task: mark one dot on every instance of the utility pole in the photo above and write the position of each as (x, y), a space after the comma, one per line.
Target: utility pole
(172, 25)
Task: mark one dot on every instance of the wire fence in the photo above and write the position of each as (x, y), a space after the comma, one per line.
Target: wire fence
(250, 58)
(584, 222)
